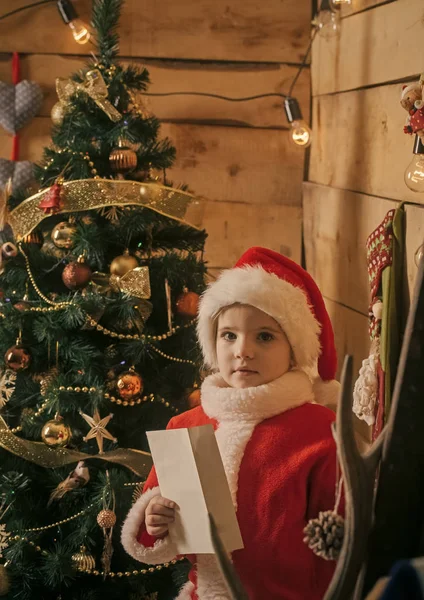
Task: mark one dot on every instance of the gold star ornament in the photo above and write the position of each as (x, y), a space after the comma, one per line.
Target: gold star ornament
(98, 428)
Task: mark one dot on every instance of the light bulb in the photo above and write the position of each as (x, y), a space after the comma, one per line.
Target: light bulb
(79, 31)
(328, 23)
(301, 134)
(338, 3)
(414, 174)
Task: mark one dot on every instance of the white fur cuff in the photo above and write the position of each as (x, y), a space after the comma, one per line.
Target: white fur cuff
(163, 550)
(327, 393)
(186, 591)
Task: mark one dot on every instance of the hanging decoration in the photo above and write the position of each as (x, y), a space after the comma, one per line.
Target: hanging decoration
(106, 519)
(94, 86)
(76, 274)
(7, 386)
(63, 235)
(135, 282)
(301, 133)
(51, 202)
(122, 264)
(17, 357)
(98, 428)
(77, 479)
(187, 304)
(122, 159)
(56, 433)
(89, 194)
(37, 452)
(130, 385)
(83, 561)
(412, 101)
(385, 255)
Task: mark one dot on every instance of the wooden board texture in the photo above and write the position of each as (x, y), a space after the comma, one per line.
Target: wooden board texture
(375, 47)
(360, 144)
(232, 80)
(272, 31)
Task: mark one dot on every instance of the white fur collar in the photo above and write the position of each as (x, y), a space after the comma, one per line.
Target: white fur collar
(224, 403)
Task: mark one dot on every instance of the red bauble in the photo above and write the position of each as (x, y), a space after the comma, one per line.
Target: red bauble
(22, 305)
(76, 275)
(130, 385)
(17, 358)
(187, 304)
(52, 201)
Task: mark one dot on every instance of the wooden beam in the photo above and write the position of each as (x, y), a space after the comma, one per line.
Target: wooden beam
(375, 46)
(336, 226)
(222, 163)
(234, 227)
(231, 80)
(272, 31)
(360, 145)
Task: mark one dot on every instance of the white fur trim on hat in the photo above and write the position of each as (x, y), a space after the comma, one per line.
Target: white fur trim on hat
(254, 286)
(164, 550)
(409, 88)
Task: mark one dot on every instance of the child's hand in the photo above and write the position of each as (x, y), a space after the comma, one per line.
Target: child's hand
(159, 513)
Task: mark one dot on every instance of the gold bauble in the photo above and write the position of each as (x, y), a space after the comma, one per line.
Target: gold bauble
(57, 113)
(55, 433)
(130, 385)
(122, 264)
(106, 518)
(83, 561)
(62, 235)
(4, 581)
(122, 159)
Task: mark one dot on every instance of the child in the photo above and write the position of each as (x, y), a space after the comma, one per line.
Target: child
(264, 328)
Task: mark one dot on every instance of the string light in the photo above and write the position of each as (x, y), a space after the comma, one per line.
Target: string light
(301, 133)
(70, 17)
(414, 174)
(327, 21)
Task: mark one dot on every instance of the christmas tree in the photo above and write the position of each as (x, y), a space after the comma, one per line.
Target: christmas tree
(102, 267)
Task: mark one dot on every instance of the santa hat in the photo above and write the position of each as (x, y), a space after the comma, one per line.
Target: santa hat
(282, 289)
(409, 88)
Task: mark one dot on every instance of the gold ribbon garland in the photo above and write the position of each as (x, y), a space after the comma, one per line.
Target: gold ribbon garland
(135, 282)
(90, 194)
(137, 461)
(94, 86)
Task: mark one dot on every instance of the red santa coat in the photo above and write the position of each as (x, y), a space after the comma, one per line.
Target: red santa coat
(280, 459)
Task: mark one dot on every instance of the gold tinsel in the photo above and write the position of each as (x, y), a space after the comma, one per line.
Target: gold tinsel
(90, 194)
(4, 581)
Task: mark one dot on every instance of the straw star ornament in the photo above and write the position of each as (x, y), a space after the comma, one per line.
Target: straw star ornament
(98, 428)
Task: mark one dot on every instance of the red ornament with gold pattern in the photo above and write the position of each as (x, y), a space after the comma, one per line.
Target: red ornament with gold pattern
(76, 274)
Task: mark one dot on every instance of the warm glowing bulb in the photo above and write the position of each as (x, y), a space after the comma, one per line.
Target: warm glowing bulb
(328, 23)
(414, 174)
(337, 3)
(301, 134)
(79, 31)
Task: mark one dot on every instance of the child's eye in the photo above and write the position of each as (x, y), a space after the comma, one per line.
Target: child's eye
(265, 336)
(229, 336)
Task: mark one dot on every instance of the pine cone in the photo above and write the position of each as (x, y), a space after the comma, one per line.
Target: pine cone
(324, 535)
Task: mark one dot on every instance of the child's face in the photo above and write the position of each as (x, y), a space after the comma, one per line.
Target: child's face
(251, 347)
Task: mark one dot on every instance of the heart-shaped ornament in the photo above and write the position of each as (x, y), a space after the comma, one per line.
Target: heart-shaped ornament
(20, 171)
(19, 104)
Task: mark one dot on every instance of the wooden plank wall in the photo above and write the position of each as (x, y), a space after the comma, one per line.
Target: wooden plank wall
(236, 155)
(359, 155)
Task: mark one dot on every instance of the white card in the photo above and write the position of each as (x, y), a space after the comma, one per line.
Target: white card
(190, 472)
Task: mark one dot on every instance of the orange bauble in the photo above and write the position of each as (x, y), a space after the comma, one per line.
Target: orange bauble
(187, 304)
(130, 385)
